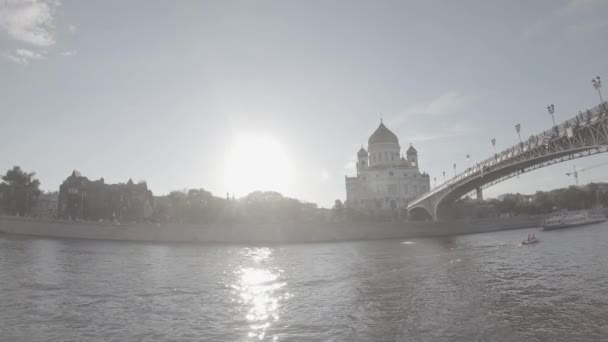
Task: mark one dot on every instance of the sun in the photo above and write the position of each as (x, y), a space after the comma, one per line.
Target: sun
(257, 162)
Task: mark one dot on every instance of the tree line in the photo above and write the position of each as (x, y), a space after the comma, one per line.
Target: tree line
(20, 191)
(200, 206)
(542, 202)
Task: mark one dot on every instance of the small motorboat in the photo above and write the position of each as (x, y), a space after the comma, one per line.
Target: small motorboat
(530, 242)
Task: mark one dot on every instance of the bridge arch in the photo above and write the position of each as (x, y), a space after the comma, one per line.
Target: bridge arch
(584, 135)
(420, 214)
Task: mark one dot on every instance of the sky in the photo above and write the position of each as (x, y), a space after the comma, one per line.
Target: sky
(234, 96)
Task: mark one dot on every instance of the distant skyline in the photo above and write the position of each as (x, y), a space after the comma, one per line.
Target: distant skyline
(231, 96)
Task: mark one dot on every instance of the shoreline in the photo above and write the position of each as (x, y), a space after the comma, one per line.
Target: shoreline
(287, 232)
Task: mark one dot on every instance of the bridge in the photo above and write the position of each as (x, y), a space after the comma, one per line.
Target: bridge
(583, 135)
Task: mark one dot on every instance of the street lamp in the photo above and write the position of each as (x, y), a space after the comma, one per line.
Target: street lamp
(597, 84)
(443, 177)
(435, 179)
(518, 129)
(469, 161)
(454, 169)
(551, 110)
(494, 146)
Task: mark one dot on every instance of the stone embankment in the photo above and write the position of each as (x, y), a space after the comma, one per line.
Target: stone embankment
(256, 232)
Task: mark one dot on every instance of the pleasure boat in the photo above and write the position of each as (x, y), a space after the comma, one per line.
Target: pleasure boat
(566, 218)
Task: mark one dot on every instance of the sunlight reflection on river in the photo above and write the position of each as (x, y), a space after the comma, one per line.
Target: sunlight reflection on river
(480, 287)
(257, 288)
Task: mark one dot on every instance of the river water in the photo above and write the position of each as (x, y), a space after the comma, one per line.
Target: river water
(483, 287)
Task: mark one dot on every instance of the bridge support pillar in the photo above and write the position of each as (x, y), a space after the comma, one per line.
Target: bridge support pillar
(479, 194)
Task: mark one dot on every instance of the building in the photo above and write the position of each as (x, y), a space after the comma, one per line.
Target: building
(81, 198)
(46, 205)
(385, 179)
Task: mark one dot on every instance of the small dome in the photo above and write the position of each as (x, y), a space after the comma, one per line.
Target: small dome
(411, 150)
(362, 153)
(383, 135)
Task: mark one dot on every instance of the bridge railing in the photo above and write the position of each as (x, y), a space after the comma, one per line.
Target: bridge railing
(560, 130)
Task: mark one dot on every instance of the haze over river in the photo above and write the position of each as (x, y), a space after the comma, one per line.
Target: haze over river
(482, 287)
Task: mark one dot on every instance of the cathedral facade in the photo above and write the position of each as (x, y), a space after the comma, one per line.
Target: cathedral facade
(385, 179)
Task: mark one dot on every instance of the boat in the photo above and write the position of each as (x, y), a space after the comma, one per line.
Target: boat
(530, 242)
(567, 218)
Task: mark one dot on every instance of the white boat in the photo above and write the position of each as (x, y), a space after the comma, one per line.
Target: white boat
(530, 242)
(566, 218)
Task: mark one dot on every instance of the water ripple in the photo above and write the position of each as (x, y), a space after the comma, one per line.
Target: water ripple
(480, 287)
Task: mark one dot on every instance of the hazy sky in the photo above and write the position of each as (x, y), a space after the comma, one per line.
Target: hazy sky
(187, 94)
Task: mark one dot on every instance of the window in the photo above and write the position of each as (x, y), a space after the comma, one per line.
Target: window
(392, 189)
(390, 173)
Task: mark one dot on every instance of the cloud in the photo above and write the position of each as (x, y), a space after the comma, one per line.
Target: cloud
(575, 17)
(29, 21)
(573, 7)
(350, 165)
(324, 175)
(24, 56)
(449, 131)
(69, 53)
(536, 29)
(447, 103)
(586, 27)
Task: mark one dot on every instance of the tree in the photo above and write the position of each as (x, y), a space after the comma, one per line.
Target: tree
(178, 202)
(338, 210)
(21, 191)
(200, 206)
(338, 205)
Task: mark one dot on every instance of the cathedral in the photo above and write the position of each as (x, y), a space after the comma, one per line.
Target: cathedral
(385, 179)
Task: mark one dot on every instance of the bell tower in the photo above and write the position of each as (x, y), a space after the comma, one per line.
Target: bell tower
(362, 160)
(412, 156)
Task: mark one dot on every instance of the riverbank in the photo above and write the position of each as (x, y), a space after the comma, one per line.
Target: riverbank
(256, 233)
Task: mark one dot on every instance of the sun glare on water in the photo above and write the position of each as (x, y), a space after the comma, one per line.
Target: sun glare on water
(257, 163)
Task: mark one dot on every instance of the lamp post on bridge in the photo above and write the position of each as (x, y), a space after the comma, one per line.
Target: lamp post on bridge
(468, 161)
(454, 169)
(597, 84)
(443, 177)
(435, 179)
(551, 109)
(494, 146)
(518, 129)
